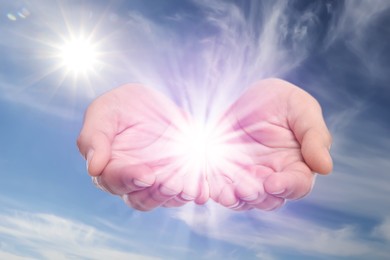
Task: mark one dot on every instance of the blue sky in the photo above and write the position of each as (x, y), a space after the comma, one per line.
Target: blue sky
(336, 50)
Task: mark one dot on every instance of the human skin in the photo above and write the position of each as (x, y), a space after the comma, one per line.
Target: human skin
(123, 139)
(278, 128)
(282, 130)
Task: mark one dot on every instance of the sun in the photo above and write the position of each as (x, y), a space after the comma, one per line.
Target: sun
(79, 55)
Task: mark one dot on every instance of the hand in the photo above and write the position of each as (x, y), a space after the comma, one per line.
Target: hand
(126, 137)
(283, 141)
(276, 138)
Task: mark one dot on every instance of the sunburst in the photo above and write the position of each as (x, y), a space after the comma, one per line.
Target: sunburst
(79, 55)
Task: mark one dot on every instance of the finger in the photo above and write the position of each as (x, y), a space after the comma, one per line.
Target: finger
(170, 184)
(96, 136)
(316, 155)
(228, 198)
(195, 188)
(116, 111)
(269, 203)
(147, 199)
(239, 206)
(217, 182)
(249, 188)
(260, 198)
(175, 202)
(243, 207)
(204, 191)
(96, 180)
(306, 120)
(294, 182)
(101, 124)
(120, 178)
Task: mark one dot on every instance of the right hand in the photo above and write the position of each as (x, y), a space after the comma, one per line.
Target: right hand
(126, 139)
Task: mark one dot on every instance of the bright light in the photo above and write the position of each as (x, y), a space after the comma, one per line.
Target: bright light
(198, 144)
(199, 148)
(79, 55)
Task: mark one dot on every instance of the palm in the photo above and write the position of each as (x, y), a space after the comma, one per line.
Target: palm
(141, 165)
(139, 145)
(154, 151)
(271, 166)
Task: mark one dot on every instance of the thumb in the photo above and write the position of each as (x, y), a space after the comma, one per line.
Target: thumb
(97, 134)
(306, 121)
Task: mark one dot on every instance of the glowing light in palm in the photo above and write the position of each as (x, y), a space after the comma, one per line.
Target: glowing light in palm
(200, 147)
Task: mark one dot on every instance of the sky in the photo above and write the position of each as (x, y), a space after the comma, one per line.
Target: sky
(197, 53)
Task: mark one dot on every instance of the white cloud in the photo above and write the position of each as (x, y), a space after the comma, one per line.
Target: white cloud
(359, 183)
(357, 188)
(264, 231)
(232, 50)
(12, 256)
(49, 236)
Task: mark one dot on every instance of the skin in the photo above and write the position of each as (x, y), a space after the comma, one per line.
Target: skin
(281, 129)
(123, 136)
(275, 129)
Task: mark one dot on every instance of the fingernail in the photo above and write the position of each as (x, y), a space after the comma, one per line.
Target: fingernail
(125, 198)
(238, 205)
(234, 205)
(278, 192)
(168, 191)
(141, 184)
(251, 197)
(186, 197)
(89, 158)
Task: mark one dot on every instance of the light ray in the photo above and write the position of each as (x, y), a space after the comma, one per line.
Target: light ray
(71, 52)
(204, 151)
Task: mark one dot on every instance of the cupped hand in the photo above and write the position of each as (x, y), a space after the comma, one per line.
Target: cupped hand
(126, 140)
(265, 149)
(281, 141)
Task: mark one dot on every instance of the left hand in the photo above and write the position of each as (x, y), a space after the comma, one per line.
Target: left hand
(283, 141)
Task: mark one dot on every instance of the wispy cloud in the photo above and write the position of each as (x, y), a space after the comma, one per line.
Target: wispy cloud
(202, 61)
(359, 183)
(202, 58)
(353, 198)
(11, 256)
(48, 236)
(263, 232)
